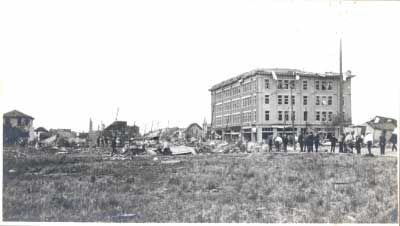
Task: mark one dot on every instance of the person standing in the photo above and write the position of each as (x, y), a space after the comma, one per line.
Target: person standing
(333, 143)
(368, 139)
(341, 141)
(98, 141)
(382, 143)
(285, 141)
(114, 146)
(310, 139)
(349, 141)
(316, 142)
(301, 142)
(270, 143)
(358, 144)
(278, 142)
(344, 143)
(393, 140)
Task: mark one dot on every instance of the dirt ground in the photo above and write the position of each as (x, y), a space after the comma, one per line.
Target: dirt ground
(258, 187)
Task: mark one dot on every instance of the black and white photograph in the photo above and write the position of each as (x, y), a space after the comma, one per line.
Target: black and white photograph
(199, 111)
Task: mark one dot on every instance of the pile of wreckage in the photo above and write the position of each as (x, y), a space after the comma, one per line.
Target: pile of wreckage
(143, 146)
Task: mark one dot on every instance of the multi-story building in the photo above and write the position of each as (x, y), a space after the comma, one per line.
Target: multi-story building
(265, 102)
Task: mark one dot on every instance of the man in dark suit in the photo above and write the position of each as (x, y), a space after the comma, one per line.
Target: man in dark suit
(301, 142)
(316, 142)
(333, 143)
(382, 143)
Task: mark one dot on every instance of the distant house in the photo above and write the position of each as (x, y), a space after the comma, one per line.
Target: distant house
(17, 127)
(41, 134)
(65, 133)
(194, 130)
(121, 130)
(379, 125)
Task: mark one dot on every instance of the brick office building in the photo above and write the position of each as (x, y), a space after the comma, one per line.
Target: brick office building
(259, 103)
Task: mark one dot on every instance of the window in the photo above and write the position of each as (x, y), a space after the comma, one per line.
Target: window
(329, 85)
(323, 118)
(293, 115)
(266, 115)
(330, 100)
(286, 99)
(279, 99)
(292, 85)
(324, 102)
(305, 116)
(317, 102)
(286, 115)
(330, 116)
(317, 85)
(280, 85)
(323, 85)
(255, 116)
(280, 115)
(286, 84)
(266, 99)
(304, 100)
(293, 100)
(266, 83)
(305, 85)
(254, 100)
(317, 116)
(19, 122)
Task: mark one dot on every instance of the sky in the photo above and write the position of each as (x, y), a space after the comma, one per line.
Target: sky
(64, 62)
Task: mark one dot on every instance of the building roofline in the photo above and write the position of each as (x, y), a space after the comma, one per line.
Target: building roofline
(16, 114)
(278, 71)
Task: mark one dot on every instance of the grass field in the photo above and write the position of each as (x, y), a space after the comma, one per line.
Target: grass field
(259, 187)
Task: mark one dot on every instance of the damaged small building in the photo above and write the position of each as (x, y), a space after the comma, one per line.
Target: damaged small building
(380, 125)
(17, 128)
(121, 130)
(194, 130)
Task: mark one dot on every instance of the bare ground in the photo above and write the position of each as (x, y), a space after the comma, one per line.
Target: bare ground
(259, 187)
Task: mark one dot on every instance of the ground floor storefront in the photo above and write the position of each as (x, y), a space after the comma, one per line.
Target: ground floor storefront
(263, 132)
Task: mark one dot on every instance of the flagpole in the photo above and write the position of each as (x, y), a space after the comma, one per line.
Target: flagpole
(341, 116)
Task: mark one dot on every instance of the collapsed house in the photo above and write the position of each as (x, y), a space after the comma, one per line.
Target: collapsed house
(17, 128)
(380, 125)
(172, 134)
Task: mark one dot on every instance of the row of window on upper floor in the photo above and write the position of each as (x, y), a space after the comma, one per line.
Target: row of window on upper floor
(320, 116)
(250, 101)
(284, 99)
(281, 84)
(245, 117)
(245, 88)
(286, 84)
(324, 116)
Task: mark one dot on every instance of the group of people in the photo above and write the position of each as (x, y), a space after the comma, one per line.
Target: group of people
(308, 141)
(347, 142)
(280, 142)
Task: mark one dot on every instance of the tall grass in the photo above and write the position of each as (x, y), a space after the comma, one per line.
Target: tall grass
(266, 188)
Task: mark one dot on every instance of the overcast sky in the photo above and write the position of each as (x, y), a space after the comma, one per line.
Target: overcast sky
(64, 62)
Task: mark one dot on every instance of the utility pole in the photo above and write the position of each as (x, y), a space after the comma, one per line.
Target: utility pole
(341, 116)
(116, 116)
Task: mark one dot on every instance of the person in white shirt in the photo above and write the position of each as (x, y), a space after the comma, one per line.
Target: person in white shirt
(368, 140)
